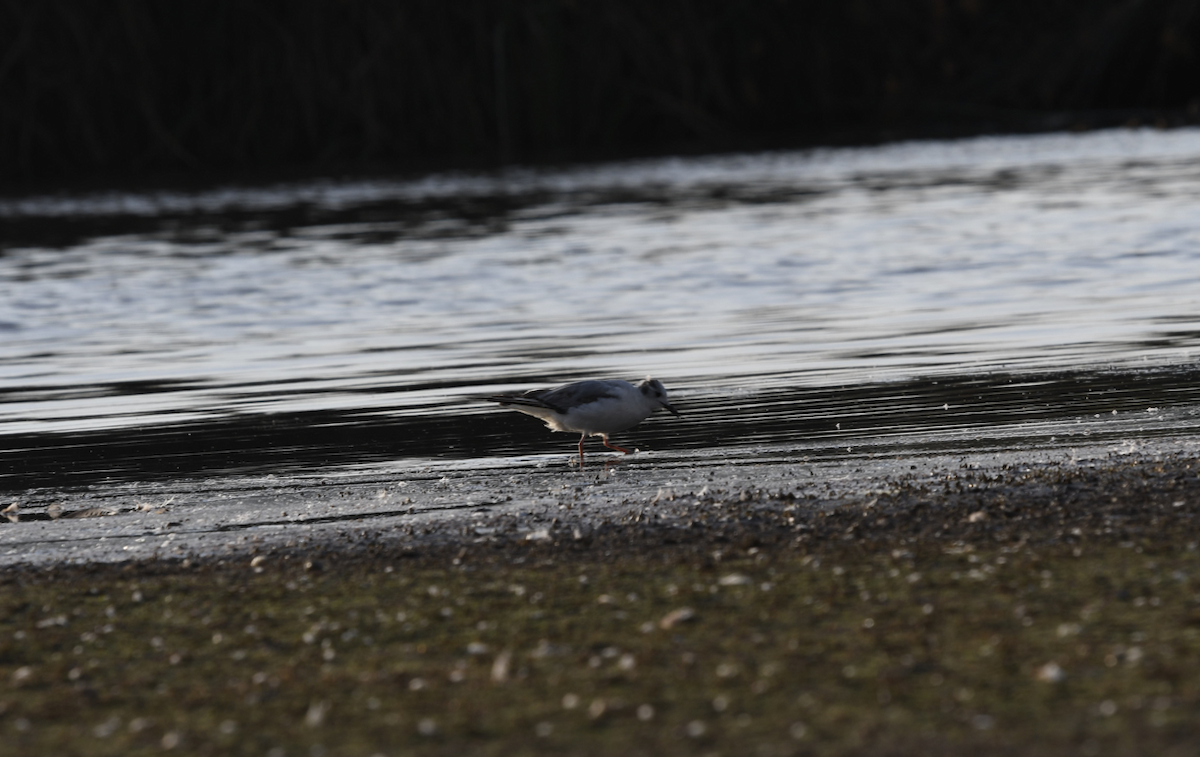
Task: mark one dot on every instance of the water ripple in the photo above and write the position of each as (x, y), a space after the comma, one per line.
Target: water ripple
(326, 322)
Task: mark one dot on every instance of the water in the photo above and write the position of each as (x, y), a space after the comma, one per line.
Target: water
(986, 293)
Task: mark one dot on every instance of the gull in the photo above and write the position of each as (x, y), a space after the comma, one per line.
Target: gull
(592, 408)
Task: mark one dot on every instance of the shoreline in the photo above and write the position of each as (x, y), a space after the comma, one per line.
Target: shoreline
(1033, 609)
(1007, 497)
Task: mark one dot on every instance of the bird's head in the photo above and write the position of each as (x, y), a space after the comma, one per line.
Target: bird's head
(656, 392)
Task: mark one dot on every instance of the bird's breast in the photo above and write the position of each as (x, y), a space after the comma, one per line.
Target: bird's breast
(603, 418)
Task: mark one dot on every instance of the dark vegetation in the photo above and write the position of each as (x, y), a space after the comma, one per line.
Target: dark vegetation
(139, 88)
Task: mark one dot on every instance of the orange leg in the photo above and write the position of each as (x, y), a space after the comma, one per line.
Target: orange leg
(613, 446)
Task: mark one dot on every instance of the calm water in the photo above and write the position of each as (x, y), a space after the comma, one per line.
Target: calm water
(992, 288)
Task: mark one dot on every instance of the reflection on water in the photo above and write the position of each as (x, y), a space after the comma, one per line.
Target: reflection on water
(330, 323)
(968, 414)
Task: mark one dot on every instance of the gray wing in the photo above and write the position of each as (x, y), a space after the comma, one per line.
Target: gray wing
(562, 399)
(566, 397)
(528, 399)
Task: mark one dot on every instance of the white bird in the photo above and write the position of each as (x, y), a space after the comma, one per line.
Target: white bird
(592, 408)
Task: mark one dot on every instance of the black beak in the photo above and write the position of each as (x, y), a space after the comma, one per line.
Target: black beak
(667, 406)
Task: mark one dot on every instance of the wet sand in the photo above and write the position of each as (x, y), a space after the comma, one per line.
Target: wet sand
(644, 501)
(542, 498)
(1032, 603)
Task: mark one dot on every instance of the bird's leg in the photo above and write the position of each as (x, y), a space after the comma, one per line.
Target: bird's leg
(581, 451)
(613, 446)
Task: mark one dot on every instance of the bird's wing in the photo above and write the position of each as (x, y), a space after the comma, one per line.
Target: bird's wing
(562, 399)
(529, 399)
(578, 393)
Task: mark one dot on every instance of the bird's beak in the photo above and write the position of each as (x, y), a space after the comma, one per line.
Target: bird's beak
(669, 409)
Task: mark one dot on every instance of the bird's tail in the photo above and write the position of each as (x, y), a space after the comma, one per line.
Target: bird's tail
(522, 402)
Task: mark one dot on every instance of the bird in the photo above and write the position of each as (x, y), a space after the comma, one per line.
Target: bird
(592, 408)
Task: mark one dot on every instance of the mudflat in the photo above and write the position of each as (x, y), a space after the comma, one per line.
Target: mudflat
(1019, 606)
